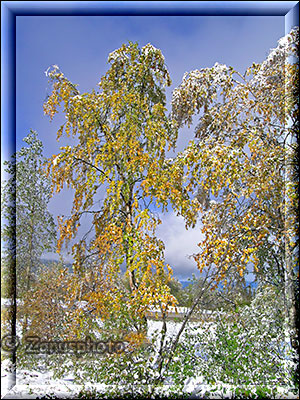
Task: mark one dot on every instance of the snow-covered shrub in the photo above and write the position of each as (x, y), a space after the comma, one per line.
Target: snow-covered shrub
(240, 353)
(131, 373)
(246, 349)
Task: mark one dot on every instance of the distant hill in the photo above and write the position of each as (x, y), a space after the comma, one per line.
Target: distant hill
(185, 283)
(47, 262)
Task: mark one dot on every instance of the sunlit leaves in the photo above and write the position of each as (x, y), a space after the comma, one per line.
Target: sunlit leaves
(122, 132)
(241, 161)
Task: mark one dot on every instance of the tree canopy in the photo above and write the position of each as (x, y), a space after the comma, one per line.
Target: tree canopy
(123, 132)
(243, 166)
(239, 176)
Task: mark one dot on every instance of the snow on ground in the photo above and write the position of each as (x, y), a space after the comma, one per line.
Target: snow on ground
(31, 384)
(154, 327)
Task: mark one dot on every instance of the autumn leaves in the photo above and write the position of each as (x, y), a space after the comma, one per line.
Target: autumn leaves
(237, 161)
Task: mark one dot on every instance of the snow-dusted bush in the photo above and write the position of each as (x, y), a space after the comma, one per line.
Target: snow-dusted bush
(241, 353)
(246, 349)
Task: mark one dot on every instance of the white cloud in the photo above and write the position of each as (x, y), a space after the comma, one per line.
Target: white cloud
(179, 244)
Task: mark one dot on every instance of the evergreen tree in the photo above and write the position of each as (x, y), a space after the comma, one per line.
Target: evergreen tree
(28, 192)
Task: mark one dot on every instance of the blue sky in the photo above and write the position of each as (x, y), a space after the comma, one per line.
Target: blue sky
(80, 47)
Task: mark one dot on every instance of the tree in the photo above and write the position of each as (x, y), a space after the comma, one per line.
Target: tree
(27, 232)
(232, 294)
(44, 303)
(238, 164)
(28, 192)
(122, 133)
(243, 165)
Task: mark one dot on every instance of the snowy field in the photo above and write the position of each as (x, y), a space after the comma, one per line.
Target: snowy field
(32, 384)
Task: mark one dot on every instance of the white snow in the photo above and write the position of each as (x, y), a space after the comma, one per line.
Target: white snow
(31, 384)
